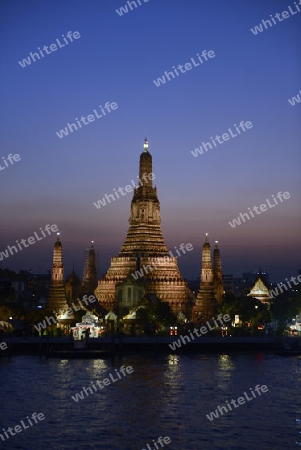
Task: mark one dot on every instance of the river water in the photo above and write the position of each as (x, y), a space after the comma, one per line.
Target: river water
(165, 395)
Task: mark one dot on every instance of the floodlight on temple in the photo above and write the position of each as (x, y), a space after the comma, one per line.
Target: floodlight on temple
(145, 146)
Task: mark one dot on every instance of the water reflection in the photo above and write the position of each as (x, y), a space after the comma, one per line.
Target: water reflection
(173, 388)
(169, 395)
(226, 365)
(173, 359)
(298, 427)
(64, 363)
(99, 366)
(224, 372)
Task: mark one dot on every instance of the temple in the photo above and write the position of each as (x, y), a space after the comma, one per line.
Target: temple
(260, 290)
(206, 302)
(89, 323)
(144, 270)
(144, 265)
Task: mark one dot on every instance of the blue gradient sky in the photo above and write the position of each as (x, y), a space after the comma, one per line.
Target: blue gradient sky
(116, 60)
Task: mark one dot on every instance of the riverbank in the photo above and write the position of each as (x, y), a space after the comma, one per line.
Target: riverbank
(105, 346)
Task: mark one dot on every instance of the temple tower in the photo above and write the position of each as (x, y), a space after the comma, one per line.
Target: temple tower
(90, 272)
(145, 236)
(144, 250)
(217, 274)
(205, 304)
(56, 299)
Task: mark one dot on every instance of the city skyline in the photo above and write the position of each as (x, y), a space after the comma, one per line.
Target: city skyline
(56, 179)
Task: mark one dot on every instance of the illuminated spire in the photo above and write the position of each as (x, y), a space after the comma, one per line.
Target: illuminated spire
(205, 303)
(145, 234)
(145, 146)
(145, 168)
(56, 299)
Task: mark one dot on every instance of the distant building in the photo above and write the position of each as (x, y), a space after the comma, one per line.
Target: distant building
(228, 283)
(251, 277)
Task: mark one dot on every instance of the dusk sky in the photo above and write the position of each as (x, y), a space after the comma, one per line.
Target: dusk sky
(115, 59)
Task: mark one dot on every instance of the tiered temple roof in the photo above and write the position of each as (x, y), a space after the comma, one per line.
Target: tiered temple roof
(144, 246)
(260, 290)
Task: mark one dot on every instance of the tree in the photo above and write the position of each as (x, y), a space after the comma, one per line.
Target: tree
(249, 309)
(156, 313)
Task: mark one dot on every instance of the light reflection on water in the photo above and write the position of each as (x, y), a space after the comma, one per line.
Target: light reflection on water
(165, 396)
(173, 359)
(225, 364)
(224, 371)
